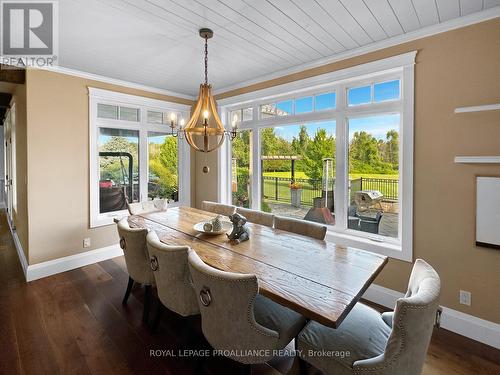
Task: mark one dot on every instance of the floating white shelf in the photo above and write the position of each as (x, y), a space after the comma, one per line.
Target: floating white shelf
(477, 159)
(478, 108)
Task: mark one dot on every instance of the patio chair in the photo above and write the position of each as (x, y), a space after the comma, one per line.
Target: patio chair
(353, 218)
(370, 224)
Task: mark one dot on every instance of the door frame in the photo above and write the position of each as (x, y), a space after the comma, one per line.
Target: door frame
(10, 162)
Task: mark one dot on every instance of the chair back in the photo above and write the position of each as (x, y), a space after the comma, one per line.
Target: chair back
(412, 325)
(218, 208)
(172, 277)
(226, 302)
(133, 243)
(303, 227)
(147, 207)
(257, 217)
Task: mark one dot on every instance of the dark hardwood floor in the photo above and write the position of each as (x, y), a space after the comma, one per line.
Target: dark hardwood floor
(74, 323)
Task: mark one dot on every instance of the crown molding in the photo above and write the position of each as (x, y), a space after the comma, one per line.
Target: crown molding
(390, 42)
(130, 99)
(114, 81)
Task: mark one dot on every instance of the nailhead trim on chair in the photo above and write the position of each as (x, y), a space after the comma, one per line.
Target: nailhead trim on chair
(250, 304)
(402, 346)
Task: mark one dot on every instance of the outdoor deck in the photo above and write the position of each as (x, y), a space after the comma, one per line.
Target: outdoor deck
(388, 224)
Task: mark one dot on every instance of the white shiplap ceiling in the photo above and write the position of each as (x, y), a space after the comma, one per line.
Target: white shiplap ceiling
(156, 43)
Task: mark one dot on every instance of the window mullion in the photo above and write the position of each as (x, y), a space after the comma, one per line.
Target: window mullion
(143, 164)
(255, 170)
(341, 158)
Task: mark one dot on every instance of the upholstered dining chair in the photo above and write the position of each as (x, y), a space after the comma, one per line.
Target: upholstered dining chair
(390, 344)
(173, 281)
(133, 243)
(236, 318)
(155, 205)
(218, 208)
(257, 217)
(303, 227)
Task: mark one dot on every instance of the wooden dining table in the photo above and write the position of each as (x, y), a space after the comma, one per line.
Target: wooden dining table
(318, 279)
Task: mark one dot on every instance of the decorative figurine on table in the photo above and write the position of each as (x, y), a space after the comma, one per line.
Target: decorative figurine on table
(240, 230)
(217, 224)
(214, 225)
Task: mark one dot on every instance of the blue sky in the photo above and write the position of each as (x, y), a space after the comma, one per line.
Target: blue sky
(378, 126)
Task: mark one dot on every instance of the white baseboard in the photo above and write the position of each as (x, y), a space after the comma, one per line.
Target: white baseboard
(52, 267)
(19, 248)
(464, 324)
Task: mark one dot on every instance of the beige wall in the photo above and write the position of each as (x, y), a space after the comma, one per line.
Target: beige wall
(20, 212)
(453, 69)
(205, 186)
(58, 164)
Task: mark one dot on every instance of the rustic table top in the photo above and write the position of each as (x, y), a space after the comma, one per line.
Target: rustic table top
(319, 279)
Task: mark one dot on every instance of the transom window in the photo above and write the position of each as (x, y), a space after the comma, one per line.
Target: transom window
(134, 157)
(296, 106)
(374, 93)
(340, 155)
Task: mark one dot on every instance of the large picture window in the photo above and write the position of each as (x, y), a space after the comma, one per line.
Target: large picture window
(133, 155)
(340, 155)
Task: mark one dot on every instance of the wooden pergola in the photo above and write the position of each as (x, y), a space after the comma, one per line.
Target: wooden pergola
(292, 158)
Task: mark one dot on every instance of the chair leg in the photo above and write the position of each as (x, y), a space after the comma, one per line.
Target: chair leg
(157, 318)
(147, 303)
(129, 289)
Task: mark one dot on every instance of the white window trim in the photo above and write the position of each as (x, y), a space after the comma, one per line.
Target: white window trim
(397, 67)
(143, 104)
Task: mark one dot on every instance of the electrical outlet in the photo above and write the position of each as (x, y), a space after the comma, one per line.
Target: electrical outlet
(465, 297)
(86, 242)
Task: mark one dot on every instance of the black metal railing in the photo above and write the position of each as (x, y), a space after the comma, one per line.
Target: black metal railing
(278, 188)
(388, 187)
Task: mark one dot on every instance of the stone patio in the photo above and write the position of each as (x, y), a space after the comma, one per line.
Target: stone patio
(388, 224)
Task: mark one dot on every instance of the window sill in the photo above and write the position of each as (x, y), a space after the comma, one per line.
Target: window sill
(390, 249)
(107, 219)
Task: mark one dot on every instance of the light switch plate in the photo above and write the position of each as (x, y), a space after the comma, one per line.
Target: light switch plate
(465, 297)
(86, 242)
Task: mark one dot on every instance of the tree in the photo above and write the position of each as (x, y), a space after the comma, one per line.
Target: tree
(365, 155)
(272, 145)
(241, 149)
(392, 148)
(241, 152)
(322, 146)
(299, 145)
(163, 166)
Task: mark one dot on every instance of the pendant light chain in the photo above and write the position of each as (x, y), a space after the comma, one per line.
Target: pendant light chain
(206, 60)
